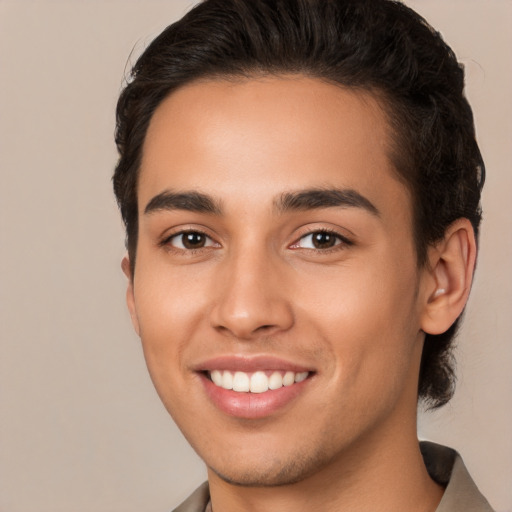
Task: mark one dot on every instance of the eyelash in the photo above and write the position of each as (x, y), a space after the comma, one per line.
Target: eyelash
(166, 242)
(341, 241)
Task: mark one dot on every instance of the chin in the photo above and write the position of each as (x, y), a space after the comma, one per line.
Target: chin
(253, 478)
(274, 472)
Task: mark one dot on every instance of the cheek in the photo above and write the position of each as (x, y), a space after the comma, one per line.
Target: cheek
(166, 298)
(170, 306)
(366, 315)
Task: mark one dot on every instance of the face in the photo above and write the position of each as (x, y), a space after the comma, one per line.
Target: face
(276, 289)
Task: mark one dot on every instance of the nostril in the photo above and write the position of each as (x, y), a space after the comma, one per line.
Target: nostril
(265, 327)
(244, 317)
(239, 334)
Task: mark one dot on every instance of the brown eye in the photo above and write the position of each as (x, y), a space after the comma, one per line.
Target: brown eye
(320, 240)
(189, 240)
(193, 240)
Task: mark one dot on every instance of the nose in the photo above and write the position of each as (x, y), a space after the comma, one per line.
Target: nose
(251, 297)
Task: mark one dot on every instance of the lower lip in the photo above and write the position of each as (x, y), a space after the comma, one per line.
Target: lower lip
(252, 405)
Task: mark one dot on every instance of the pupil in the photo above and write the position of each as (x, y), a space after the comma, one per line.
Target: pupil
(193, 240)
(323, 240)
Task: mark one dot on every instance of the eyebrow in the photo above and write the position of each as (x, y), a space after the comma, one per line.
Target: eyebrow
(317, 198)
(310, 199)
(189, 201)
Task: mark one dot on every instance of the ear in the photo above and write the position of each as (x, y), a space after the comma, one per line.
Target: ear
(130, 297)
(451, 264)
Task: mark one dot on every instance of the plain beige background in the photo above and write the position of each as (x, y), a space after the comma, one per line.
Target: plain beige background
(81, 428)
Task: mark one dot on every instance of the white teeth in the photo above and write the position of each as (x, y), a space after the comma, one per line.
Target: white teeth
(299, 377)
(257, 382)
(227, 380)
(241, 382)
(275, 381)
(288, 379)
(216, 377)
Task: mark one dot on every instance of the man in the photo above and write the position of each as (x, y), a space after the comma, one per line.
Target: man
(300, 185)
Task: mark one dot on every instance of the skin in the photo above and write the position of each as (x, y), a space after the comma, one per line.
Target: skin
(353, 314)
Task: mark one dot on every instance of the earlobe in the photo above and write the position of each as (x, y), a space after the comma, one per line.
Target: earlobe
(130, 296)
(450, 274)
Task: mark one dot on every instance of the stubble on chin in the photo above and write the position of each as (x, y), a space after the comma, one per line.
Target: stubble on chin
(276, 472)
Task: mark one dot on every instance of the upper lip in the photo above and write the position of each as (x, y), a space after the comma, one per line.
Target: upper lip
(250, 364)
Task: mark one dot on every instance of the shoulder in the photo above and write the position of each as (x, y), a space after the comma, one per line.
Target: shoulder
(197, 501)
(446, 467)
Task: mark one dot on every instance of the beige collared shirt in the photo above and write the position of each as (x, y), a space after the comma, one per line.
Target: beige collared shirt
(444, 465)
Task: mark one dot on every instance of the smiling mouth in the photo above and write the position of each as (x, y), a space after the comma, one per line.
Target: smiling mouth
(255, 382)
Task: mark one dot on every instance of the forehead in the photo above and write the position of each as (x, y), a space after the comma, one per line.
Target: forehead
(259, 137)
